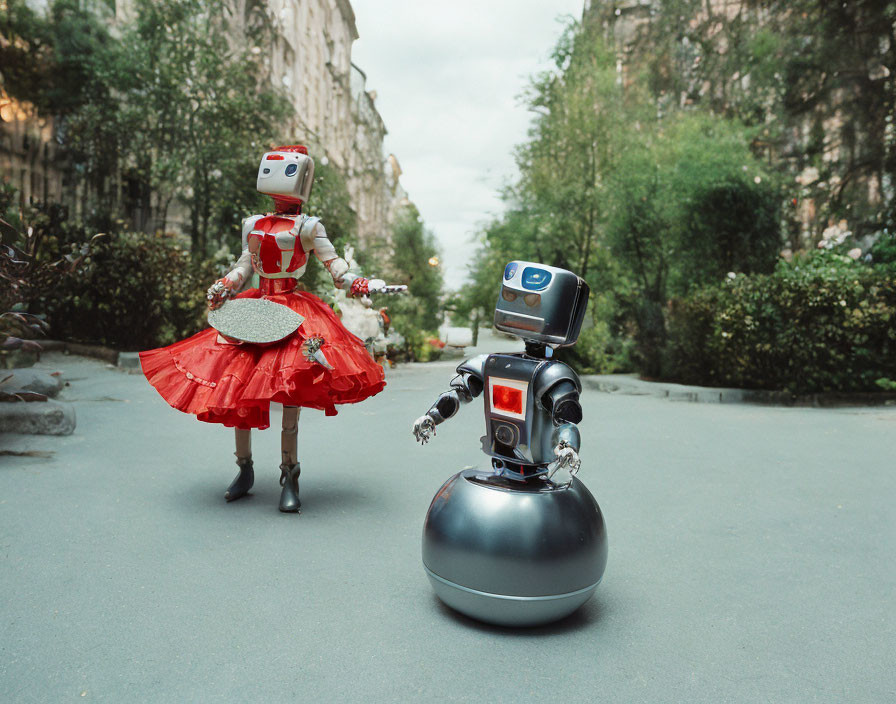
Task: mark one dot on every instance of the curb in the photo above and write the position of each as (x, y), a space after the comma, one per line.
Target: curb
(106, 354)
(631, 385)
(37, 418)
(128, 361)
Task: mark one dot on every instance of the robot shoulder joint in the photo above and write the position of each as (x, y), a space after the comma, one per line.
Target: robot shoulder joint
(552, 374)
(474, 367)
(249, 225)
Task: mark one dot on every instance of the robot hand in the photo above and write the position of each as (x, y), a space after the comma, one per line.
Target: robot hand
(359, 287)
(219, 292)
(424, 429)
(363, 287)
(567, 458)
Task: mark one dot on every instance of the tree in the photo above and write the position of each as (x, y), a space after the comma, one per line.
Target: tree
(687, 204)
(815, 78)
(172, 107)
(202, 109)
(412, 247)
(628, 196)
(579, 112)
(67, 64)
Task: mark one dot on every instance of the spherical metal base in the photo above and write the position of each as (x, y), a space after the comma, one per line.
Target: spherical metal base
(513, 553)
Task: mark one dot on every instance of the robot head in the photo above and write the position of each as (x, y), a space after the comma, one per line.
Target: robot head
(286, 174)
(541, 303)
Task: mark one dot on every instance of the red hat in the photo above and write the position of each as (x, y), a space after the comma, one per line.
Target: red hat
(293, 148)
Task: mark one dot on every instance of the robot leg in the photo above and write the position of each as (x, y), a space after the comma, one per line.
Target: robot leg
(240, 486)
(289, 467)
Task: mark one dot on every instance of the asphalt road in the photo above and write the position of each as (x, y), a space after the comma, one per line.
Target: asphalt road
(751, 558)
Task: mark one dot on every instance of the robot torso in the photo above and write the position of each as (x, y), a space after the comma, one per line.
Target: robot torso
(279, 244)
(519, 425)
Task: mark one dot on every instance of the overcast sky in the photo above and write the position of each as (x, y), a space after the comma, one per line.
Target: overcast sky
(447, 77)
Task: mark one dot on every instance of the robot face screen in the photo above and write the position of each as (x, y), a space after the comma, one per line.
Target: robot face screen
(505, 398)
(541, 303)
(286, 175)
(508, 397)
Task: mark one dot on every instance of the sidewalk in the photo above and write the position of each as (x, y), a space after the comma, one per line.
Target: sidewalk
(632, 385)
(750, 557)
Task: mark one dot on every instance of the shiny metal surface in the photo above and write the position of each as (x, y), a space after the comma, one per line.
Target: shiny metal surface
(531, 438)
(550, 311)
(511, 553)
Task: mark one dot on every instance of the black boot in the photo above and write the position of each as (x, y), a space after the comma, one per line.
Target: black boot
(240, 486)
(289, 480)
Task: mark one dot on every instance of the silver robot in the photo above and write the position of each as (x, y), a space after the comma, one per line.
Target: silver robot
(524, 543)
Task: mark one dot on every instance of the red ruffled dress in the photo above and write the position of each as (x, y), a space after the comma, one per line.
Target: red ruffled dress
(235, 384)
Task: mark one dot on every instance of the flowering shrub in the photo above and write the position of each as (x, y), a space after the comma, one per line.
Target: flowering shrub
(822, 323)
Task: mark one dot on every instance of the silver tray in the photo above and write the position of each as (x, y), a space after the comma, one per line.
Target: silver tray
(255, 320)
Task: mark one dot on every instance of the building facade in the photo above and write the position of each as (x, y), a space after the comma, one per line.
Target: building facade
(309, 61)
(826, 145)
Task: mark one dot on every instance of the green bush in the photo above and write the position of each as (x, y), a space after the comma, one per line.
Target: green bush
(823, 323)
(598, 350)
(884, 250)
(136, 292)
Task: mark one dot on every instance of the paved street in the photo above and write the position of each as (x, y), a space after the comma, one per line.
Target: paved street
(751, 558)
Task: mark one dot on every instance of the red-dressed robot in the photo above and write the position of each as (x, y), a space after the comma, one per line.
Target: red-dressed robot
(271, 343)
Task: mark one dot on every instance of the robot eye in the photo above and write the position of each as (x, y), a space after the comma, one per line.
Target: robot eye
(536, 279)
(509, 271)
(508, 295)
(291, 169)
(532, 299)
(265, 171)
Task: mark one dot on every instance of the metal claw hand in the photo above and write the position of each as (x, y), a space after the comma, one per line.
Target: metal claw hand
(380, 286)
(424, 429)
(219, 292)
(568, 458)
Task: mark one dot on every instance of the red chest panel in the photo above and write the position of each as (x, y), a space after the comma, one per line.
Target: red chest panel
(270, 239)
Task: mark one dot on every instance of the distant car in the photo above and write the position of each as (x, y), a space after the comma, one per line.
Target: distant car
(456, 337)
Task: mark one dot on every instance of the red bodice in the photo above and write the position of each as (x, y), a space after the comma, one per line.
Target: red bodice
(275, 248)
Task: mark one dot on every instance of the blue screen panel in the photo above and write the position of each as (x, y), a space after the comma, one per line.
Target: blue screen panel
(536, 279)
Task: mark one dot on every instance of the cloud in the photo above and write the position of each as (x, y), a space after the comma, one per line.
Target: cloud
(448, 77)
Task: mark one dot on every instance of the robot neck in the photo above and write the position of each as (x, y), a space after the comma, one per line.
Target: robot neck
(286, 207)
(537, 350)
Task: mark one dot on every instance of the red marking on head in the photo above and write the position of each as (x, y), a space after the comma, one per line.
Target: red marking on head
(293, 148)
(274, 157)
(506, 398)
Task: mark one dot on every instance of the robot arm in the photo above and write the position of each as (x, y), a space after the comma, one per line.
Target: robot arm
(314, 236)
(235, 279)
(562, 400)
(466, 386)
